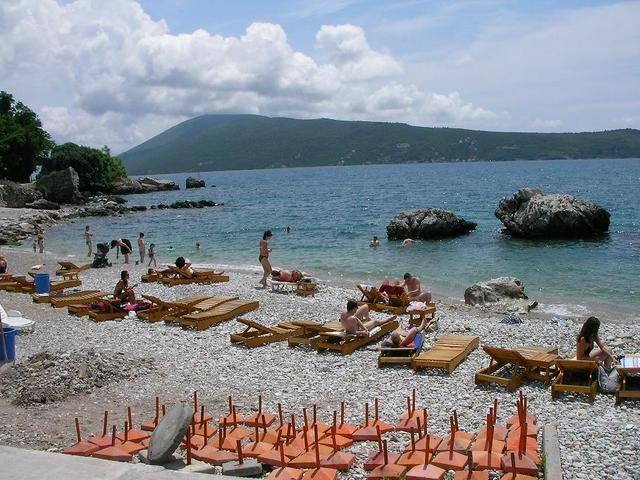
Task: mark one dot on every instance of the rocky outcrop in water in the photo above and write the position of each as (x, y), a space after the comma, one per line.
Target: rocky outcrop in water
(194, 183)
(188, 204)
(43, 204)
(426, 223)
(124, 186)
(529, 213)
(14, 195)
(60, 186)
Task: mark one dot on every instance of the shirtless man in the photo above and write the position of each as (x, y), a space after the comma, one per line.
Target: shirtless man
(88, 239)
(412, 284)
(356, 320)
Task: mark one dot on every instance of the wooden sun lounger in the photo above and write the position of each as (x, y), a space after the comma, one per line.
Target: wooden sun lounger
(401, 355)
(25, 285)
(66, 267)
(63, 299)
(396, 304)
(112, 311)
(310, 330)
(202, 306)
(447, 353)
(178, 277)
(531, 363)
(578, 376)
(167, 308)
(346, 344)
(225, 311)
(255, 334)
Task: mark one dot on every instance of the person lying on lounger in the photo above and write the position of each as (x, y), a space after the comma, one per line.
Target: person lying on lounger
(403, 338)
(123, 290)
(356, 320)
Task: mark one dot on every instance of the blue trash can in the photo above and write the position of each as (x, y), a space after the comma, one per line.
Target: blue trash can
(42, 283)
(10, 340)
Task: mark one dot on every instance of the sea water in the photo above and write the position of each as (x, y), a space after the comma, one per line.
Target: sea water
(333, 212)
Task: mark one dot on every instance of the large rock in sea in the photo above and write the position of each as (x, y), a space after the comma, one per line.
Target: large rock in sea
(426, 223)
(14, 195)
(194, 183)
(493, 291)
(530, 213)
(126, 185)
(60, 186)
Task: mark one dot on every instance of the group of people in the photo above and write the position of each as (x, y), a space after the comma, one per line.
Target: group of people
(375, 243)
(123, 246)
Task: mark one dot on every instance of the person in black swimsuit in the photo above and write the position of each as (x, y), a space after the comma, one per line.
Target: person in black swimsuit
(263, 258)
(585, 349)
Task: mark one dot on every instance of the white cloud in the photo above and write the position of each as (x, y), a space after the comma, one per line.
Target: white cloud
(106, 73)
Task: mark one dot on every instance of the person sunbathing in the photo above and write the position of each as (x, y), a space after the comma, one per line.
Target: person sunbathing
(414, 292)
(585, 344)
(356, 320)
(403, 338)
(124, 291)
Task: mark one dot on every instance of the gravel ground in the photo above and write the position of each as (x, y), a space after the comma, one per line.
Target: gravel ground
(598, 440)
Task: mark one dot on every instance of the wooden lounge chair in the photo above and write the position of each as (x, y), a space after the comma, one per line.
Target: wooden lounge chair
(225, 311)
(531, 363)
(167, 308)
(447, 353)
(255, 334)
(26, 285)
(310, 330)
(401, 355)
(396, 300)
(66, 267)
(202, 306)
(345, 343)
(64, 299)
(579, 376)
(180, 277)
(110, 310)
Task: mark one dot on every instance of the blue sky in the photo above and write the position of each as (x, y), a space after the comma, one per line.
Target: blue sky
(119, 72)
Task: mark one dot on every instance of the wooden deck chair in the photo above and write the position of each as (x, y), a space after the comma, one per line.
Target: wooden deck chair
(504, 360)
(255, 334)
(370, 294)
(63, 297)
(166, 308)
(12, 282)
(346, 344)
(401, 355)
(71, 267)
(396, 300)
(225, 311)
(579, 376)
(202, 306)
(112, 310)
(310, 330)
(180, 277)
(447, 353)
(540, 362)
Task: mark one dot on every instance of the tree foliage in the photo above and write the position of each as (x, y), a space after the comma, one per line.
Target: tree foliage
(23, 142)
(96, 168)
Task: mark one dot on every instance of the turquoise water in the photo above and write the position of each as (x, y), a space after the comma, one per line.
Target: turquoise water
(334, 211)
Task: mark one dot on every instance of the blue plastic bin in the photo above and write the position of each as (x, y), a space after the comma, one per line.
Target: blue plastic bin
(42, 283)
(10, 340)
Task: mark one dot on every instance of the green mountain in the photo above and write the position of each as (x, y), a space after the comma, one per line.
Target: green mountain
(240, 142)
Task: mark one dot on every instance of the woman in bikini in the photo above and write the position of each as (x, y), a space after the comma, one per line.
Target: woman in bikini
(403, 338)
(263, 258)
(587, 337)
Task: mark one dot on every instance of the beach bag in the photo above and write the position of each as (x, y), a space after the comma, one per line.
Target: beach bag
(607, 379)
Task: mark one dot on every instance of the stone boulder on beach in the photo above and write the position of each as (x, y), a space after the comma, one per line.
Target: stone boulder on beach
(125, 185)
(192, 182)
(426, 223)
(61, 186)
(529, 213)
(15, 195)
(43, 204)
(494, 290)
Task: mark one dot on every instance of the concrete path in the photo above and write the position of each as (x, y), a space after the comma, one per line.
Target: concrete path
(17, 463)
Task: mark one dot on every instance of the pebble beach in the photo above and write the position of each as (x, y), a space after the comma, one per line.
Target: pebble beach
(597, 440)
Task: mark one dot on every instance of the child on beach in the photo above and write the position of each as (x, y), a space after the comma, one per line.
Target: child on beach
(41, 241)
(152, 255)
(88, 235)
(141, 247)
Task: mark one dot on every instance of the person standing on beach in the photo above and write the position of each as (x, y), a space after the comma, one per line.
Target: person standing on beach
(141, 247)
(88, 239)
(124, 246)
(263, 258)
(41, 241)
(152, 255)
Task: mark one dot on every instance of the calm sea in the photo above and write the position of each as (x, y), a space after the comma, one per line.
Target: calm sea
(334, 211)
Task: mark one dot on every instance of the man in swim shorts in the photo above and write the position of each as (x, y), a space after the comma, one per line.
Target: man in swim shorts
(412, 284)
(356, 320)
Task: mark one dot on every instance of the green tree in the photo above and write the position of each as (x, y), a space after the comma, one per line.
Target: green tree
(23, 142)
(96, 168)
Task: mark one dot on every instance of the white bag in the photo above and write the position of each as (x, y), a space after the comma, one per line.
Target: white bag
(607, 379)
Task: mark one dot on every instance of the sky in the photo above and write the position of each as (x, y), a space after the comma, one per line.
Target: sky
(118, 72)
